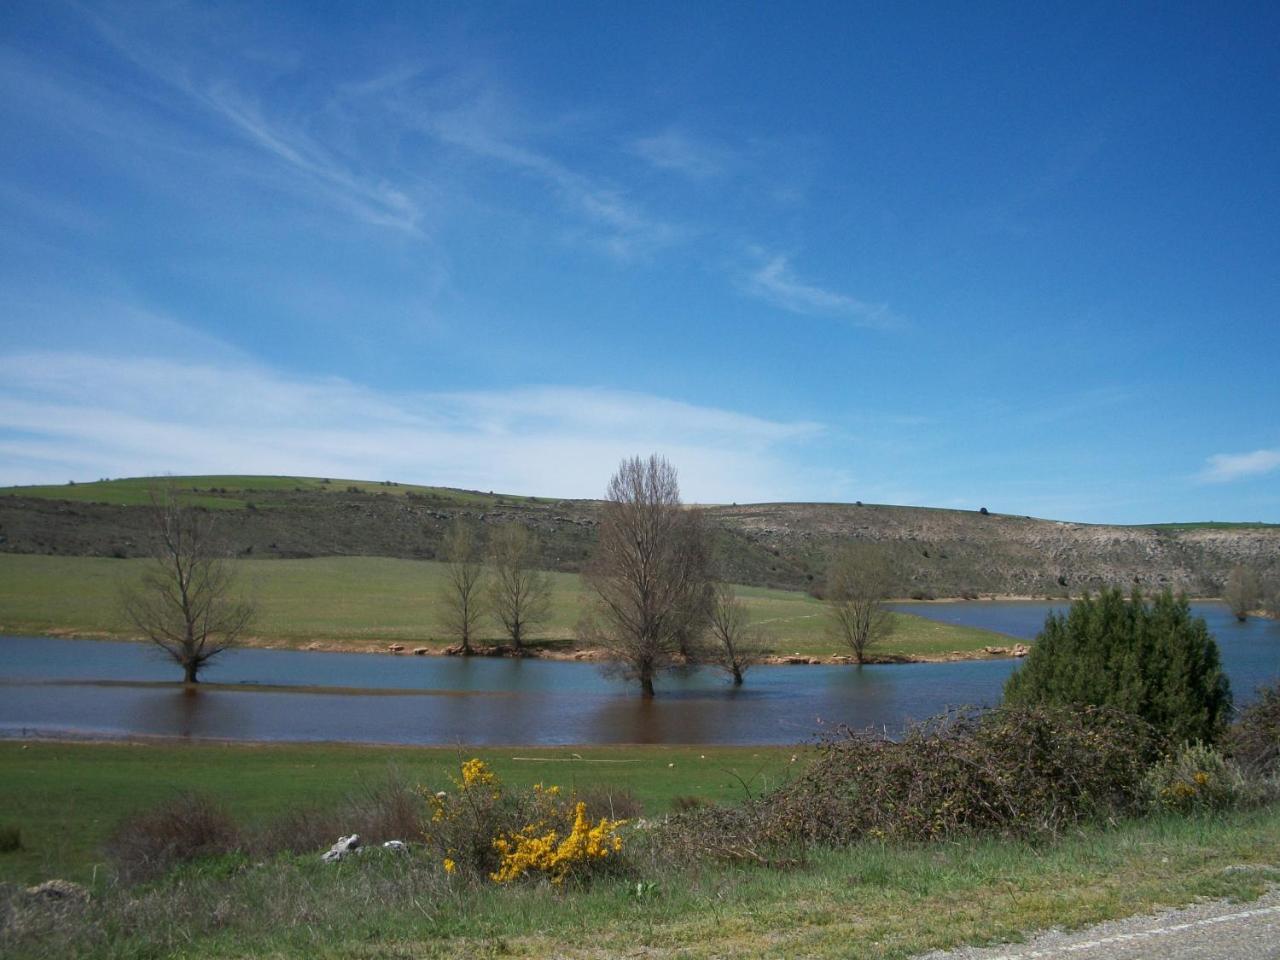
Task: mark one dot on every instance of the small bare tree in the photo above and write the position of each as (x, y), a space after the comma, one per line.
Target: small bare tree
(462, 593)
(733, 643)
(186, 603)
(858, 584)
(519, 593)
(1243, 592)
(649, 571)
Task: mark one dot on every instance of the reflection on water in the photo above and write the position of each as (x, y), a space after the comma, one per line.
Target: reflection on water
(93, 688)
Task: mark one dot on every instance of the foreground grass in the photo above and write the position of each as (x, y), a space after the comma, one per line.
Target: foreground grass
(870, 900)
(367, 602)
(67, 797)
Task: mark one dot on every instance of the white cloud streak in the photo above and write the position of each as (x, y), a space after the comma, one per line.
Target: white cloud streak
(68, 416)
(775, 282)
(326, 176)
(681, 153)
(1228, 467)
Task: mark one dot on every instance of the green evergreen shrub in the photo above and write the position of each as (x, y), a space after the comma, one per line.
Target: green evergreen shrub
(1152, 659)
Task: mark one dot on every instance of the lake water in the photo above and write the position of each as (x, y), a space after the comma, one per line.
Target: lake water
(103, 689)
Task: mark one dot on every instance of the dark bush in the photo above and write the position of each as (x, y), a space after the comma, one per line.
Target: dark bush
(10, 839)
(185, 828)
(1153, 659)
(1011, 772)
(612, 802)
(1253, 741)
(683, 803)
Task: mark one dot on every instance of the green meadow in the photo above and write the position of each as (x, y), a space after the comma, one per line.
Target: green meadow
(373, 601)
(870, 900)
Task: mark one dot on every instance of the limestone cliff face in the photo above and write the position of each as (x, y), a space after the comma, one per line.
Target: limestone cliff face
(953, 553)
(934, 553)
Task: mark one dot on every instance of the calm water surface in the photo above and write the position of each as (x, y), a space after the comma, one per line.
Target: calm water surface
(94, 688)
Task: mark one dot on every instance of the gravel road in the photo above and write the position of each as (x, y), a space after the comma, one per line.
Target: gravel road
(1209, 931)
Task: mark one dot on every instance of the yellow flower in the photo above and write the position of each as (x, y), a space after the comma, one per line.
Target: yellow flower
(476, 772)
(449, 865)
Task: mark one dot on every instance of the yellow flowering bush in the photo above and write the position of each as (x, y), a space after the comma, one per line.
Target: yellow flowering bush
(481, 829)
(536, 849)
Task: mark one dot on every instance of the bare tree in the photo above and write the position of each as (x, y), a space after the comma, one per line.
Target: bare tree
(857, 586)
(733, 643)
(186, 603)
(649, 571)
(519, 593)
(462, 593)
(1243, 592)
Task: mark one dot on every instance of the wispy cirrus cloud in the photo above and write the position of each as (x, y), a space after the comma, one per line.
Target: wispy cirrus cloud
(775, 282)
(1226, 467)
(69, 416)
(481, 123)
(315, 166)
(680, 152)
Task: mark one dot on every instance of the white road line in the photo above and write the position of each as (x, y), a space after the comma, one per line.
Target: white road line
(1137, 935)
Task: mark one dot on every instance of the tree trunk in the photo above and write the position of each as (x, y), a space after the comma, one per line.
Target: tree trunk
(189, 669)
(646, 684)
(737, 676)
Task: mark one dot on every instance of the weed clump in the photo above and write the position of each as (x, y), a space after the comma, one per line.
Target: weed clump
(188, 827)
(390, 809)
(10, 839)
(1253, 741)
(1195, 778)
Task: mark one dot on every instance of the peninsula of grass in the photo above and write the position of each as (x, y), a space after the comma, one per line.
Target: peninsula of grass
(367, 603)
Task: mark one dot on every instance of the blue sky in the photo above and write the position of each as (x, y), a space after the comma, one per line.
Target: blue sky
(936, 254)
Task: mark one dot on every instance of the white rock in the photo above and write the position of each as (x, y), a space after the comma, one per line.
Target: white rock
(344, 846)
(396, 846)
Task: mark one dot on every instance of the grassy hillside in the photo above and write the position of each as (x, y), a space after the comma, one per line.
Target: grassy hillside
(232, 492)
(367, 602)
(930, 552)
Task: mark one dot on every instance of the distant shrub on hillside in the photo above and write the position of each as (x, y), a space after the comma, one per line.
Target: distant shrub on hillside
(1153, 659)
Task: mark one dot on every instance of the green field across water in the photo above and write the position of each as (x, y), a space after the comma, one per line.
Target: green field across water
(372, 601)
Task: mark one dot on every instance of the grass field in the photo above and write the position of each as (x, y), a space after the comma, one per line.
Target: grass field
(371, 601)
(66, 797)
(870, 900)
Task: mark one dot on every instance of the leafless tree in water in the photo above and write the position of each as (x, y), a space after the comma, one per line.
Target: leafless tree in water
(858, 584)
(732, 643)
(186, 603)
(649, 572)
